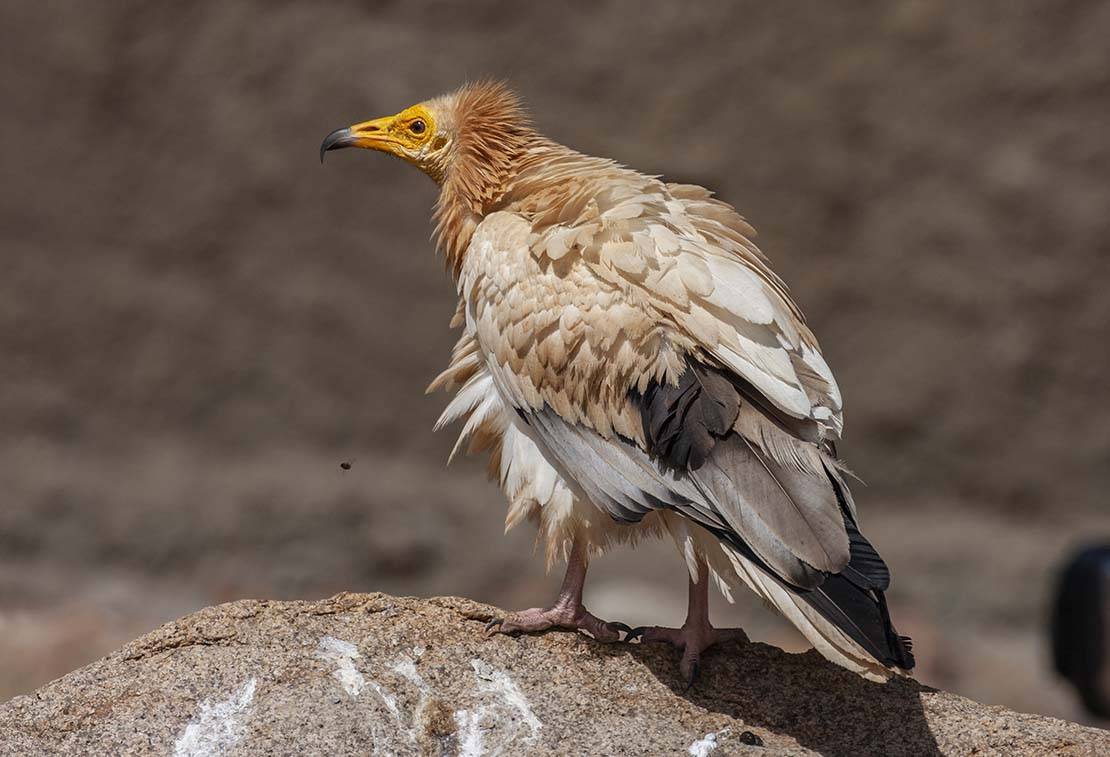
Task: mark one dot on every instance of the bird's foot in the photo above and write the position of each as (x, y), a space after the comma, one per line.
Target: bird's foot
(691, 640)
(564, 616)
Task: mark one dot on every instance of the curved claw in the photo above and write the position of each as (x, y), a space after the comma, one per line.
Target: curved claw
(493, 623)
(634, 633)
(622, 627)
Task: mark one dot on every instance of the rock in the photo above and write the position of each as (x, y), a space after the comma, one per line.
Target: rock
(371, 673)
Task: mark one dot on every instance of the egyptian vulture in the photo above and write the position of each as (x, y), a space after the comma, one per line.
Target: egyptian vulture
(633, 366)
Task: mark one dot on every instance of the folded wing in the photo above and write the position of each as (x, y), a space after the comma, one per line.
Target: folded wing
(729, 421)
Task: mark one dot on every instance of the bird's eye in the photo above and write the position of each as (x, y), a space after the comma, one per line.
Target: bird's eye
(417, 126)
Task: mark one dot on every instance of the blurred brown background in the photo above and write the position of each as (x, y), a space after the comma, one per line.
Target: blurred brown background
(199, 323)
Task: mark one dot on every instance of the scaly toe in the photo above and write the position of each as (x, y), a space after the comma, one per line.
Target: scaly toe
(527, 621)
(691, 640)
(569, 618)
(601, 630)
(690, 668)
(661, 635)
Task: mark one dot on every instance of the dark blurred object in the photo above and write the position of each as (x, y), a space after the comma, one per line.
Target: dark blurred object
(1081, 627)
(749, 738)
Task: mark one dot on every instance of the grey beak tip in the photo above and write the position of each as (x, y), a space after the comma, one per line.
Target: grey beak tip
(337, 140)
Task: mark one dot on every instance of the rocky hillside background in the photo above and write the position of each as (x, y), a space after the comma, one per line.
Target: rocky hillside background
(198, 323)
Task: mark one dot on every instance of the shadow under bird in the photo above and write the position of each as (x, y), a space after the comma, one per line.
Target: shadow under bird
(635, 368)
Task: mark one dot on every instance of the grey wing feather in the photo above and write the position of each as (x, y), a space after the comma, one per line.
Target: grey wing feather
(790, 519)
(625, 485)
(791, 524)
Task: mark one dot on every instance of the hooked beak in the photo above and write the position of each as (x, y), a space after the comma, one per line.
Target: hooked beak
(369, 135)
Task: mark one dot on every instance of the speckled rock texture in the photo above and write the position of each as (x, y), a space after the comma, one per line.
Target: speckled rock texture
(375, 674)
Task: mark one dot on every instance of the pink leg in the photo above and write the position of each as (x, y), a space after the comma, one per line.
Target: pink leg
(568, 611)
(696, 634)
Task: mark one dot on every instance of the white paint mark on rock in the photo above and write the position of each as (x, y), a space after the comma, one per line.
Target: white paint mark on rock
(470, 732)
(217, 726)
(703, 746)
(406, 668)
(343, 655)
(499, 683)
(389, 700)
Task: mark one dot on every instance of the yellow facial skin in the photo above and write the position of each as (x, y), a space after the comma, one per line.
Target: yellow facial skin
(403, 135)
(412, 135)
